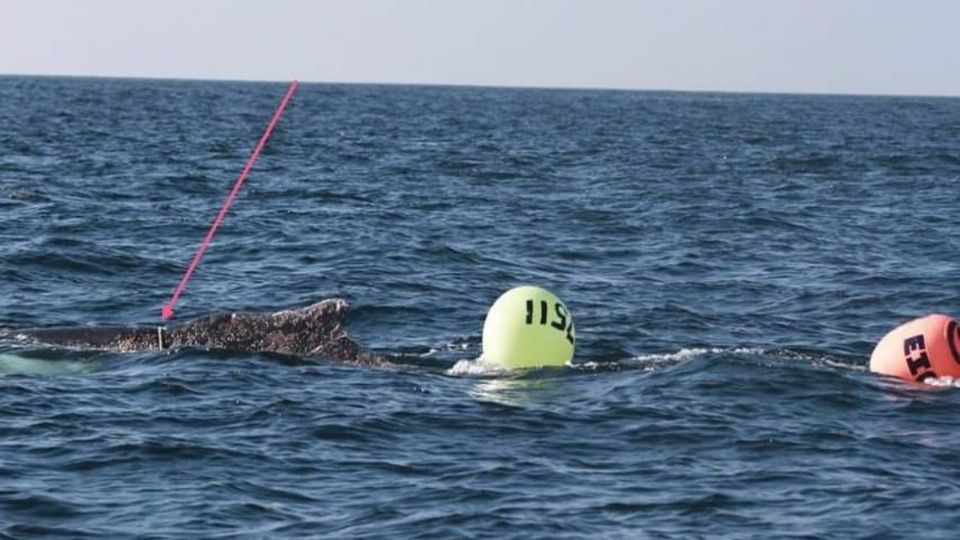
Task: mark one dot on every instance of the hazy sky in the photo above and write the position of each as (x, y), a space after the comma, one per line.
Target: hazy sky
(837, 46)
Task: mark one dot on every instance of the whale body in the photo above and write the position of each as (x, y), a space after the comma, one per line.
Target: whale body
(314, 330)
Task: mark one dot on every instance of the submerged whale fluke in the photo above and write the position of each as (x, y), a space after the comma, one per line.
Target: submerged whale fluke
(314, 330)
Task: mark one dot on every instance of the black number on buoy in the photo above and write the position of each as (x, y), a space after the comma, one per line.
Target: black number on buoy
(562, 313)
(563, 322)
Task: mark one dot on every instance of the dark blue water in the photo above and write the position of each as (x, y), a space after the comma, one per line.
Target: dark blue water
(730, 261)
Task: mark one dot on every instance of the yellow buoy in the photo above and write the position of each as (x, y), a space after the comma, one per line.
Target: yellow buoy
(528, 327)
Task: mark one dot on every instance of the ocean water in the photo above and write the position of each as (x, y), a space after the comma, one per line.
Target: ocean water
(729, 260)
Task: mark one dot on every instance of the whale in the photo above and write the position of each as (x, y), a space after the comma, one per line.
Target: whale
(316, 330)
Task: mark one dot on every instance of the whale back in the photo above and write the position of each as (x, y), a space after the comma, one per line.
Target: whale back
(119, 338)
(314, 330)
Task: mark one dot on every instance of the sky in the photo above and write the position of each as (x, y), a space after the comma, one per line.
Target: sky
(901, 47)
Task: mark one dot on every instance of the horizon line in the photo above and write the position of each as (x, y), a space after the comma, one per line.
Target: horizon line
(487, 85)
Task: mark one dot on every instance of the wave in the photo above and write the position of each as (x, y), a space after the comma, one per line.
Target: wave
(477, 367)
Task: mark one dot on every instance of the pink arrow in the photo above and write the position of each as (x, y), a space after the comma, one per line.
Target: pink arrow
(167, 312)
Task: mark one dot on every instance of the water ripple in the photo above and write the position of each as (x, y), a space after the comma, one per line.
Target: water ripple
(730, 261)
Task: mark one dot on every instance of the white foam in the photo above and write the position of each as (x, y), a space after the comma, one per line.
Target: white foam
(695, 352)
(446, 347)
(476, 368)
(651, 362)
(946, 380)
(648, 362)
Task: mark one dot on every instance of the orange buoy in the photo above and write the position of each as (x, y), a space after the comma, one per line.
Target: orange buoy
(919, 349)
